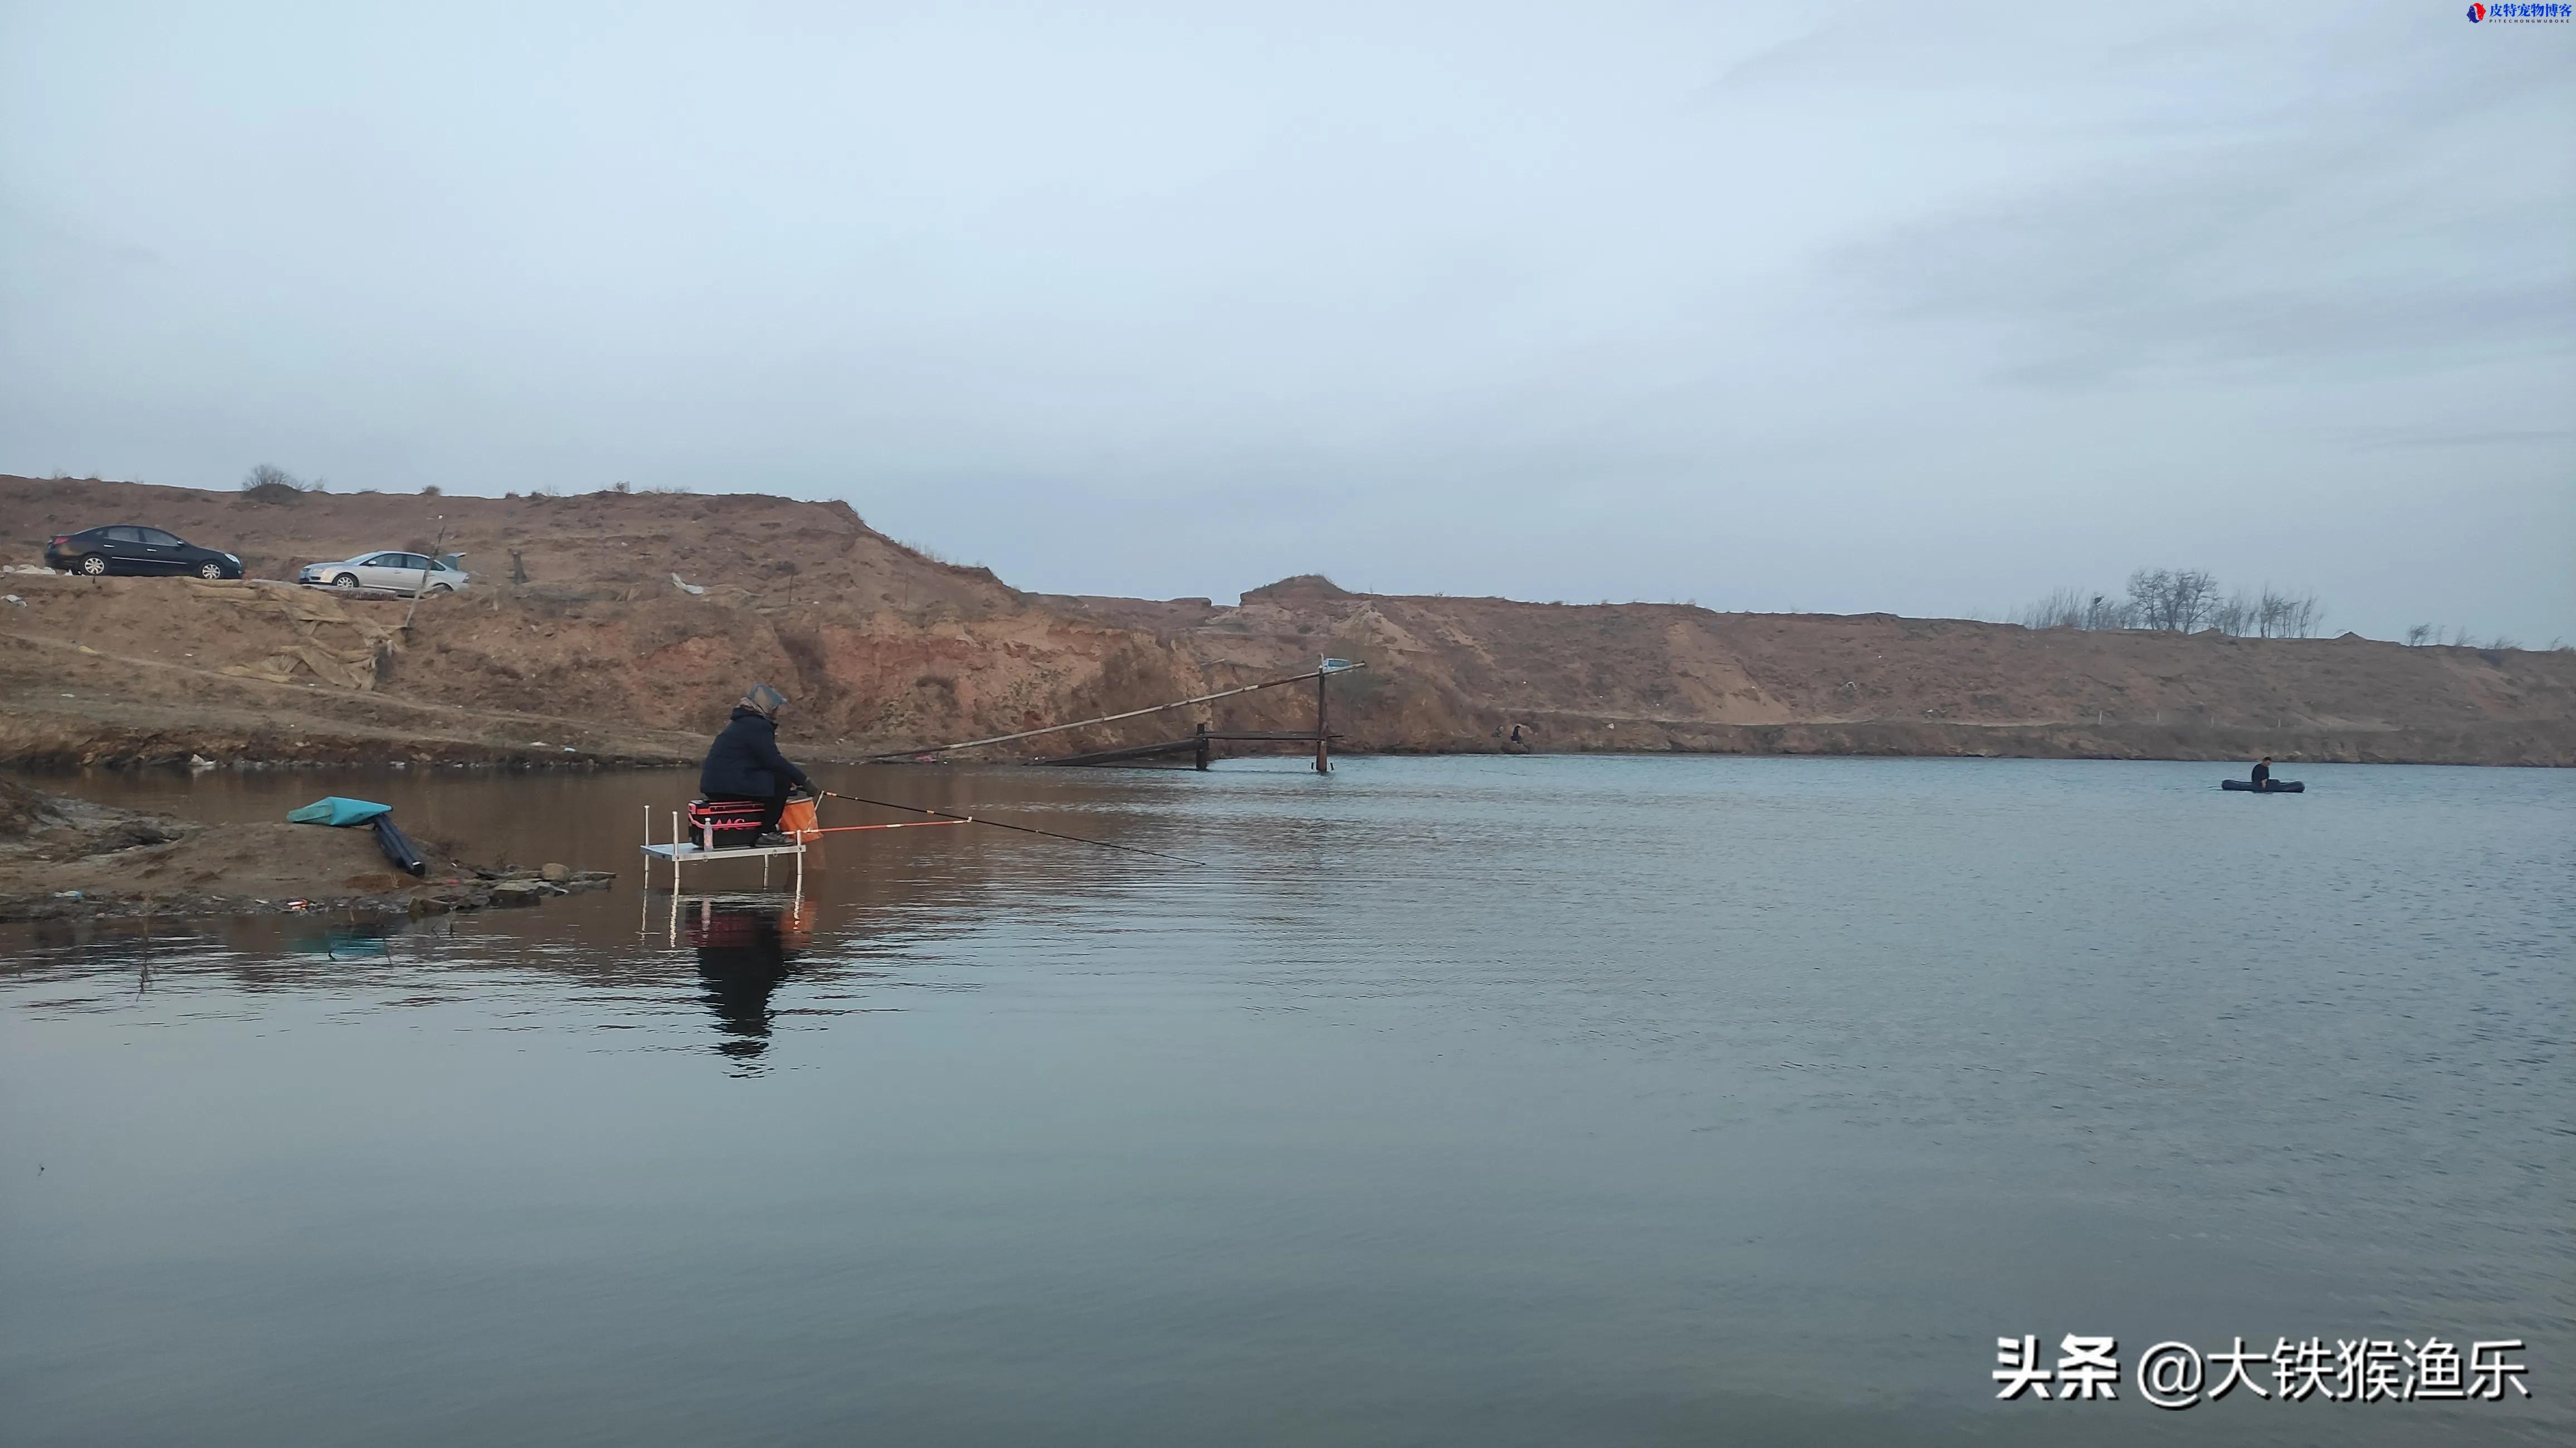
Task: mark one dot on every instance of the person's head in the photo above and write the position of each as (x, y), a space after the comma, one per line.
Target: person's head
(765, 702)
(2267, 759)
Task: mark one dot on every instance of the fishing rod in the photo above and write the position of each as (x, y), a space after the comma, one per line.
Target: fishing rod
(942, 814)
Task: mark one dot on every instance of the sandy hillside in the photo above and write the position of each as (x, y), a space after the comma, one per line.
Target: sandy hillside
(600, 657)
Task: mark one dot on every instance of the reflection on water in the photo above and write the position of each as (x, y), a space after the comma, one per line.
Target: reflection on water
(746, 950)
(338, 940)
(1502, 1101)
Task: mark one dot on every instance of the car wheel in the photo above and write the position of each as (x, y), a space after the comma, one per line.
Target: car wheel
(94, 566)
(346, 581)
(210, 570)
(440, 588)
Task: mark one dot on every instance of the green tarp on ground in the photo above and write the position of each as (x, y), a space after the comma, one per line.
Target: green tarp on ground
(333, 810)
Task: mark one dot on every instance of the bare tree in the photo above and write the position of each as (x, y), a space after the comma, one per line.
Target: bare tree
(2173, 600)
(2061, 609)
(2281, 615)
(2422, 634)
(2195, 597)
(2148, 590)
(2074, 608)
(2180, 600)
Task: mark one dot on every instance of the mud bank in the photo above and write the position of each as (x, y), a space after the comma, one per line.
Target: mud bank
(2495, 744)
(72, 859)
(616, 630)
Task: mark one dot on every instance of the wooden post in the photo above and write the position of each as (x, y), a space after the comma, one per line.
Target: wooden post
(1203, 747)
(1323, 723)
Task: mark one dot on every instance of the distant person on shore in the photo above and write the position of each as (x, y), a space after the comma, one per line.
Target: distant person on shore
(2263, 773)
(746, 767)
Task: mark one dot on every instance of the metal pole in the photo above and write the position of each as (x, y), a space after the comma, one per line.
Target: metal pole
(1323, 723)
(422, 587)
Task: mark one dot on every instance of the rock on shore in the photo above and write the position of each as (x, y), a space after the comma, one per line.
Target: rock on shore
(63, 858)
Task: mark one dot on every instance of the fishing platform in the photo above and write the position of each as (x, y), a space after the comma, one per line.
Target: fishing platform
(681, 850)
(797, 825)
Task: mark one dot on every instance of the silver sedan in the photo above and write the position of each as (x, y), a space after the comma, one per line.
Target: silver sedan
(389, 572)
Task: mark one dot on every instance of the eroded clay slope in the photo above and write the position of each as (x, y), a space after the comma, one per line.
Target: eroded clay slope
(601, 656)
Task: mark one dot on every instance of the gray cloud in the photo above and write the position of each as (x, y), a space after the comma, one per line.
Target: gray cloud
(2379, 209)
(1885, 306)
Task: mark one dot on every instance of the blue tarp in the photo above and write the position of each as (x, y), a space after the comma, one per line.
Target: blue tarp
(333, 810)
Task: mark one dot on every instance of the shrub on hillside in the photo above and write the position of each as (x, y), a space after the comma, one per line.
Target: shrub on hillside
(269, 483)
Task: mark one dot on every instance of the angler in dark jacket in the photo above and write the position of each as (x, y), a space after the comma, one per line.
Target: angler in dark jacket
(745, 764)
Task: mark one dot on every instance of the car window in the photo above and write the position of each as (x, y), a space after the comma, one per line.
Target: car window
(380, 560)
(160, 539)
(124, 535)
(412, 560)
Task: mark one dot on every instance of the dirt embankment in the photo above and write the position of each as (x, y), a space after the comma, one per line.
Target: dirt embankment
(64, 858)
(601, 656)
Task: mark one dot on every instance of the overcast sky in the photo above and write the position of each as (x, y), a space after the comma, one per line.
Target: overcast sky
(1829, 307)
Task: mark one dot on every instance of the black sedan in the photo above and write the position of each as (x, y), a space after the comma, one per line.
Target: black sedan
(131, 549)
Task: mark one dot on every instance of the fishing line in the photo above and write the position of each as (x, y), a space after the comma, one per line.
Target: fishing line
(1007, 825)
(1338, 666)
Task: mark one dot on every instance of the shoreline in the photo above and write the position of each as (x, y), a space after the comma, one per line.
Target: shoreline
(2501, 746)
(604, 657)
(71, 859)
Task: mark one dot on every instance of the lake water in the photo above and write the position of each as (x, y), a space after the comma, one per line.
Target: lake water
(1476, 1101)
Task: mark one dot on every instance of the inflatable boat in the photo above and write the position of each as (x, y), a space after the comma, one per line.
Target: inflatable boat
(2272, 786)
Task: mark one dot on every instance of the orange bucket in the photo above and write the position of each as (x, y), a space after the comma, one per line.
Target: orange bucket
(798, 820)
